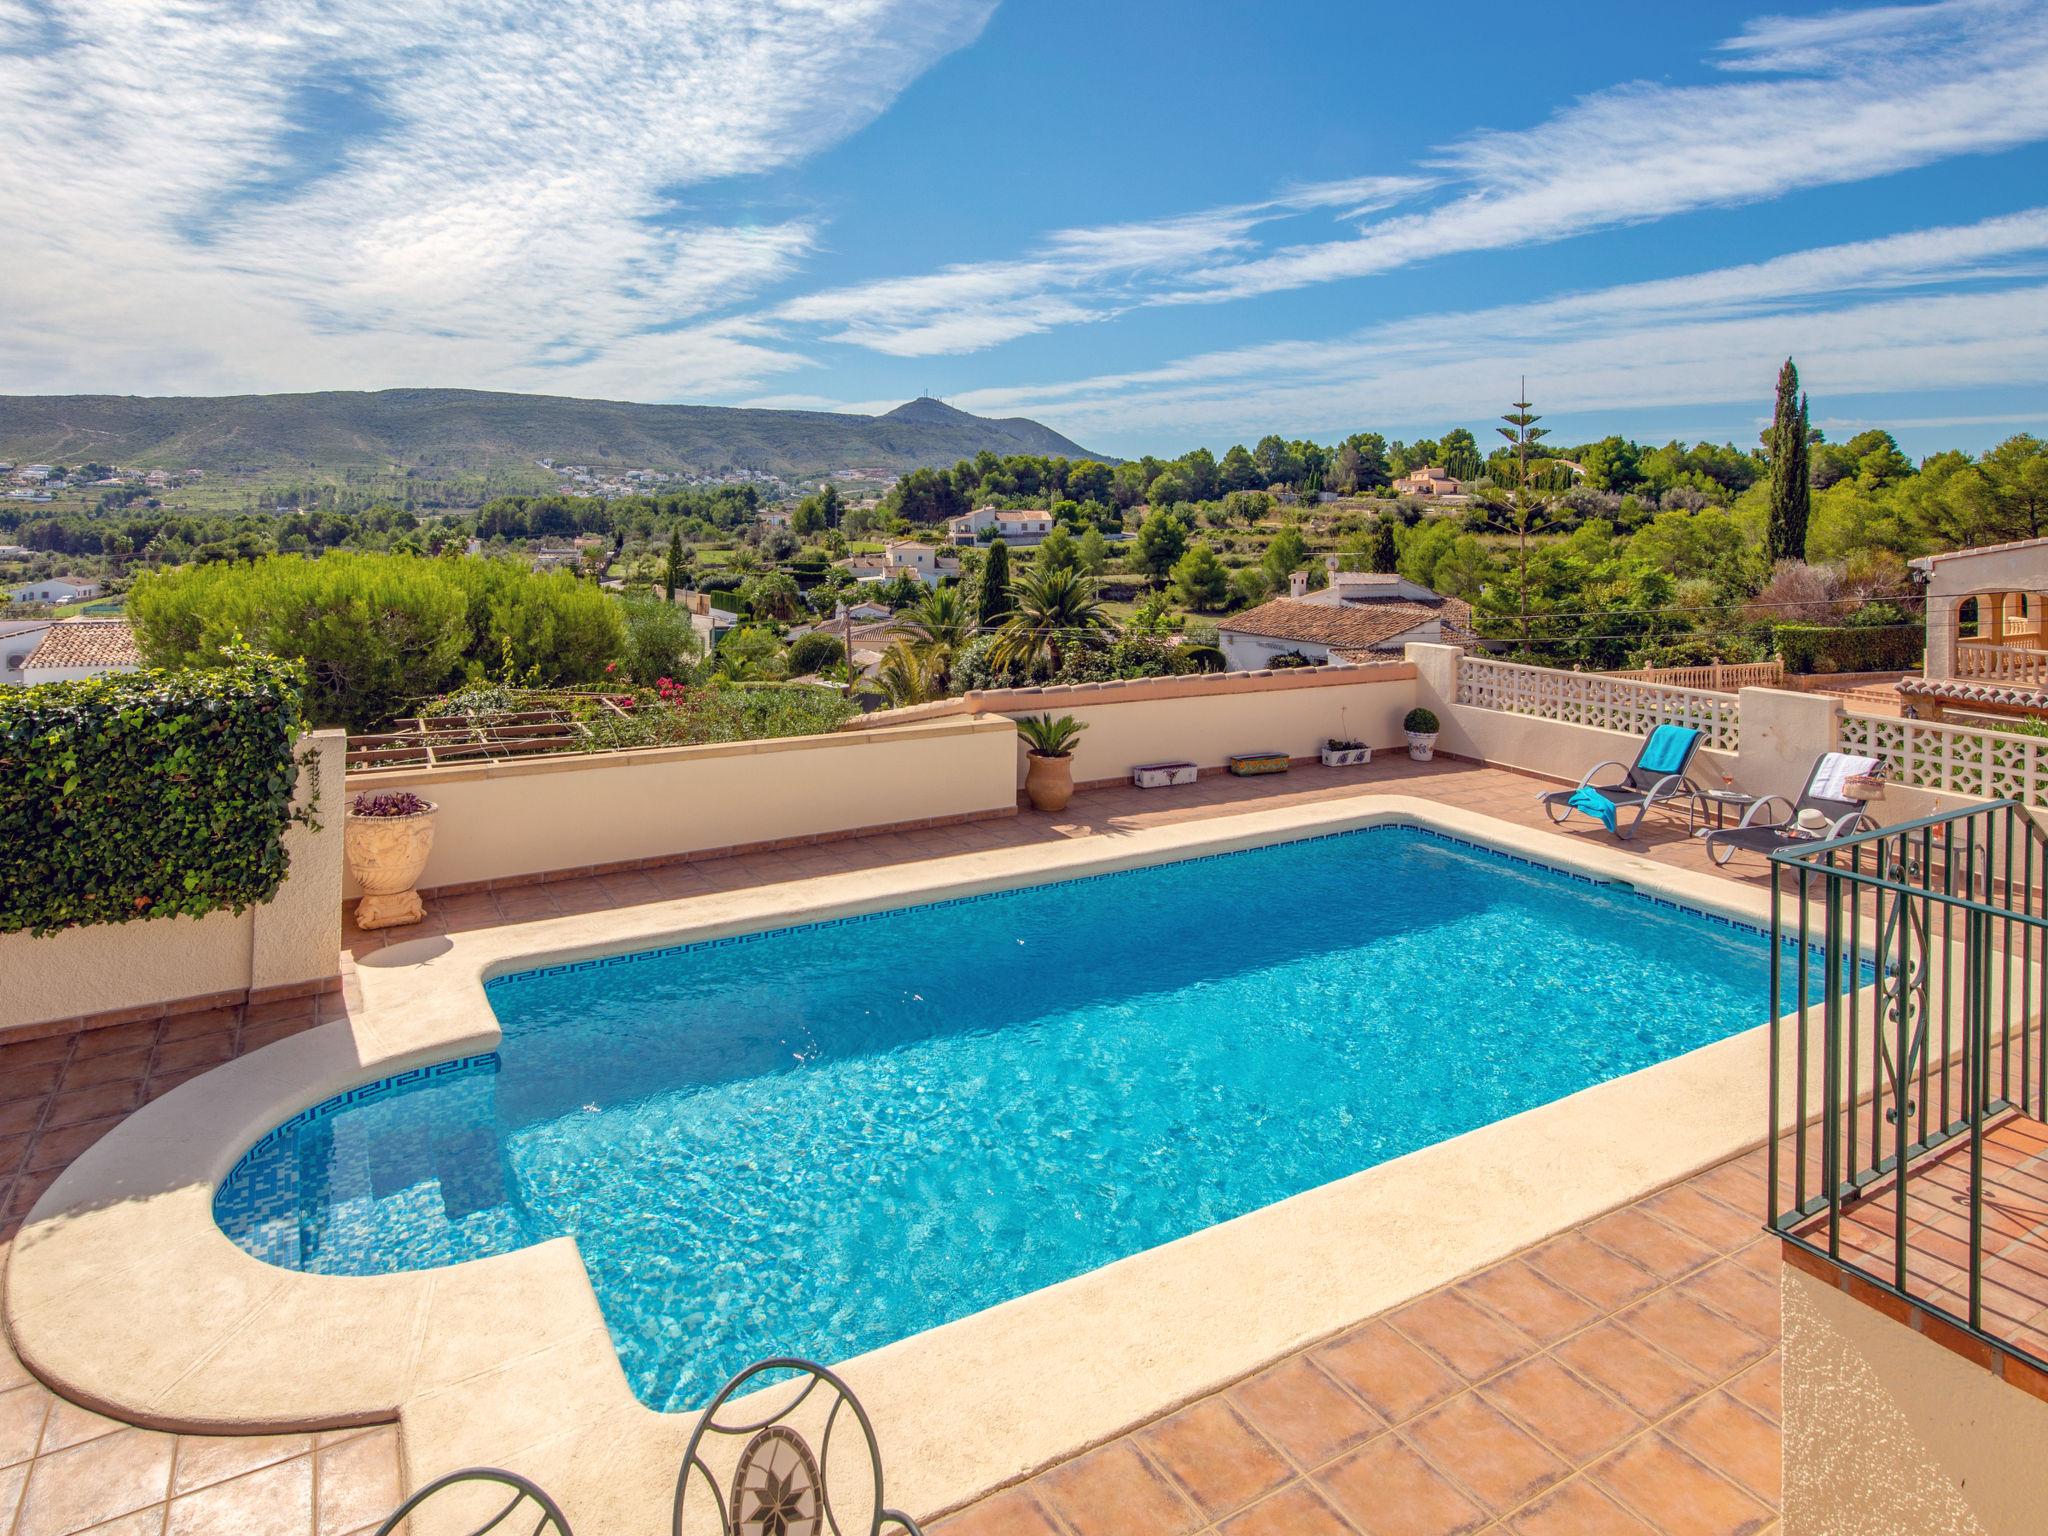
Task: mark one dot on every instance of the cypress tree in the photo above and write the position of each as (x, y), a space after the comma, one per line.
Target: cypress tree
(992, 604)
(672, 568)
(1791, 490)
(1386, 556)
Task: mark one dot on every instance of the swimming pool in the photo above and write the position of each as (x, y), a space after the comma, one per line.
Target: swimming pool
(821, 1139)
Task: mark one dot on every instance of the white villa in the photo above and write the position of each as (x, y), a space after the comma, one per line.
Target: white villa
(902, 557)
(1359, 616)
(56, 589)
(986, 524)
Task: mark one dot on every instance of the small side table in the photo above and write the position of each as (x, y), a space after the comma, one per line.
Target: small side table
(1719, 802)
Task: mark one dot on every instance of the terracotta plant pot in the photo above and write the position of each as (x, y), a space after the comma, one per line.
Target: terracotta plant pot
(386, 854)
(1422, 745)
(1049, 781)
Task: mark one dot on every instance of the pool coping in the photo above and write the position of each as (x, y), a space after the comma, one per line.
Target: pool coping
(124, 1295)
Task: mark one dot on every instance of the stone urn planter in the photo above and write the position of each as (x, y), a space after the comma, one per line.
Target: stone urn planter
(387, 839)
(1421, 727)
(1049, 744)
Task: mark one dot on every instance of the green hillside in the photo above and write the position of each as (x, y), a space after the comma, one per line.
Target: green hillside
(472, 430)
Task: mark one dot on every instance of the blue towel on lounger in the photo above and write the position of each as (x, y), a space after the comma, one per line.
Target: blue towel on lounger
(1595, 805)
(1666, 749)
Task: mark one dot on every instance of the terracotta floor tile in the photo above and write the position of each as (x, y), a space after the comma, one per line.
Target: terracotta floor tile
(1386, 1489)
(206, 1459)
(1540, 1308)
(276, 1501)
(1296, 1510)
(113, 1067)
(1220, 1461)
(1013, 1512)
(144, 1522)
(357, 1482)
(1736, 1291)
(1739, 1185)
(1303, 1412)
(1396, 1379)
(1622, 1365)
(1113, 1491)
(184, 1055)
(1734, 1440)
(1472, 1341)
(1577, 1508)
(1599, 1274)
(1705, 1220)
(1648, 1243)
(94, 1482)
(1674, 1492)
(1488, 1455)
(57, 1146)
(18, 1117)
(1762, 1387)
(95, 1103)
(22, 1411)
(30, 1082)
(72, 1425)
(1563, 1410)
(1704, 1340)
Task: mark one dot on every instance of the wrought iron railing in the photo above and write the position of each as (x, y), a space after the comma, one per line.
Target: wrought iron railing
(1920, 949)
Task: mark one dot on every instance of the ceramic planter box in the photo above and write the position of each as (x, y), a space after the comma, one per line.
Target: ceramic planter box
(1162, 775)
(1346, 757)
(1246, 764)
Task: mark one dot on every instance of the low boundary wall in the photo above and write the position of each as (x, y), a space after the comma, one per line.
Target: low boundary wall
(569, 814)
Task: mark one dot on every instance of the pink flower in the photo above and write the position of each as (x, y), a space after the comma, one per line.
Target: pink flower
(610, 667)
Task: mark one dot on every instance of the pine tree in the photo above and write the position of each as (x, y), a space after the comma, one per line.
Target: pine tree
(1521, 513)
(1791, 489)
(672, 568)
(992, 599)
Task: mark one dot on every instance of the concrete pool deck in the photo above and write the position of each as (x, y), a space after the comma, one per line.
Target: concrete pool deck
(496, 1361)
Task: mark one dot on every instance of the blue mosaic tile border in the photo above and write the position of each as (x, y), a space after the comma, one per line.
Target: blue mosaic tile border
(364, 1093)
(1557, 871)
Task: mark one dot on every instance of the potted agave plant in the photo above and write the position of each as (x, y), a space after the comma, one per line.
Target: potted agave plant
(386, 839)
(1421, 726)
(1049, 743)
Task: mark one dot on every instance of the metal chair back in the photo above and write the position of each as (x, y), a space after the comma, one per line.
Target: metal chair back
(526, 1501)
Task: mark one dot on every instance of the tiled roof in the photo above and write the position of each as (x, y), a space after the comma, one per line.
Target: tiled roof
(1926, 562)
(86, 643)
(1346, 626)
(1958, 690)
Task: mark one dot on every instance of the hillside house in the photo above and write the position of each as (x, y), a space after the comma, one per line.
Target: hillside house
(56, 589)
(18, 641)
(1429, 482)
(1359, 616)
(901, 557)
(987, 524)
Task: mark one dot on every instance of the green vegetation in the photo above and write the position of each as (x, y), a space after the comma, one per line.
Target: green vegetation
(151, 794)
(377, 633)
(1049, 737)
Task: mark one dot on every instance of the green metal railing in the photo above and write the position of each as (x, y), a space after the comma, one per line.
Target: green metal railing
(1919, 949)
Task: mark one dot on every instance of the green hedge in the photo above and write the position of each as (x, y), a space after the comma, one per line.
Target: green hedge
(1848, 648)
(149, 794)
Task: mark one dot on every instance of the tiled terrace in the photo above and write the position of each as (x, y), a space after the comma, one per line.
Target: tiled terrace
(1620, 1378)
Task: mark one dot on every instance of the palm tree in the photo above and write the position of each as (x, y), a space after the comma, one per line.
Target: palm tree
(1048, 609)
(935, 627)
(910, 676)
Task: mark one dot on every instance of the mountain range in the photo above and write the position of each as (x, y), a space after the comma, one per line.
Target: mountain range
(479, 430)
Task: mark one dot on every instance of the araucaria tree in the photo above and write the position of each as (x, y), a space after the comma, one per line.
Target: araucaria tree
(1521, 512)
(1791, 487)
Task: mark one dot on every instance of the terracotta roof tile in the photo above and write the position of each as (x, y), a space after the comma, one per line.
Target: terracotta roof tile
(1347, 626)
(86, 643)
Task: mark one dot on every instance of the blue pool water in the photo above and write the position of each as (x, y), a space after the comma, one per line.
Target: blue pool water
(821, 1139)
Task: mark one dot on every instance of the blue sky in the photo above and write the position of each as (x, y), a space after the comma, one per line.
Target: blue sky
(1149, 225)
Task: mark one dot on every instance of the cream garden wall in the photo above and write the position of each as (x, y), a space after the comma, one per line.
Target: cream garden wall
(292, 942)
(538, 815)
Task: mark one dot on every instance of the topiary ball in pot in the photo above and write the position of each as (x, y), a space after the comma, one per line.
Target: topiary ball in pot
(1421, 726)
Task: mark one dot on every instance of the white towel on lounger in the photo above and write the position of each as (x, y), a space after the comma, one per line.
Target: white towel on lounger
(1836, 769)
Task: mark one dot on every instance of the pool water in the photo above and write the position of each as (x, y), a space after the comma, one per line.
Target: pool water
(821, 1139)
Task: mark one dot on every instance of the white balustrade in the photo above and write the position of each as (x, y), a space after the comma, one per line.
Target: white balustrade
(1589, 698)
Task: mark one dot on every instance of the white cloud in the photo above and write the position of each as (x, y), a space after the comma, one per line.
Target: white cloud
(1075, 276)
(517, 212)
(1710, 338)
(1808, 102)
